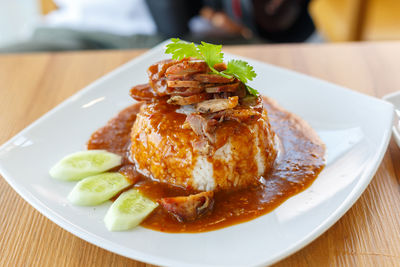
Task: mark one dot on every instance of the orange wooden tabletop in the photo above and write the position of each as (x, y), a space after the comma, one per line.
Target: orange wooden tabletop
(32, 84)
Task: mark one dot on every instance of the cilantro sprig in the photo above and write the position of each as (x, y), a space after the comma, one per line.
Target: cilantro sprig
(212, 55)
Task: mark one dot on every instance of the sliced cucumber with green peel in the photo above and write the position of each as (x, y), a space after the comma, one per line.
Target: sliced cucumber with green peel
(96, 189)
(79, 165)
(130, 208)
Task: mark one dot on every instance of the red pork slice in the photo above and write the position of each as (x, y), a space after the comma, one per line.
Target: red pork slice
(179, 83)
(189, 208)
(184, 91)
(143, 92)
(215, 105)
(211, 78)
(239, 115)
(187, 68)
(252, 101)
(187, 100)
(157, 70)
(223, 88)
(156, 73)
(202, 126)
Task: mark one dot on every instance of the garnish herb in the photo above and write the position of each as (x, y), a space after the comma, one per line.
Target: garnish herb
(212, 55)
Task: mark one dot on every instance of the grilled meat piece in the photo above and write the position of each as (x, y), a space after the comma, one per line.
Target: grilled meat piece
(183, 83)
(156, 73)
(252, 101)
(215, 105)
(187, 100)
(189, 208)
(211, 78)
(143, 92)
(184, 91)
(187, 68)
(223, 88)
(240, 114)
(202, 126)
(157, 70)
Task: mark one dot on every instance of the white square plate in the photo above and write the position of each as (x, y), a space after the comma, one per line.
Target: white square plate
(354, 127)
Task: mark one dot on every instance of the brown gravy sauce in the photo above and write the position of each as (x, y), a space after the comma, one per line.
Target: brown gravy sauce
(300, 160)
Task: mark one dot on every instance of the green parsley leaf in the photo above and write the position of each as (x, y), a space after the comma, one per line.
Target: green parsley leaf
(251, 90)
(211, 54)
(180, 49)
(241, 70)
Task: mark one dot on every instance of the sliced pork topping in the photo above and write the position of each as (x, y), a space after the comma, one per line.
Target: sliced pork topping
(216, 98)
(190, 208)
(187, 100)
(215, 105)
(184, 91)
(241, 114)
(202, 126)
(156, 73)
(157, 70)
(223, 88)
(253, 102)
(178, 83)
(187, 68)
(143, 92)
(211, 78)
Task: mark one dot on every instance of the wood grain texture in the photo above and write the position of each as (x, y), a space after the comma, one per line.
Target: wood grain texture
(32, 84)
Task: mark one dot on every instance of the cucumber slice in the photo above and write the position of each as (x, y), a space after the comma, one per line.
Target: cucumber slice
(130, 208)
(79, 165)
(96, 189)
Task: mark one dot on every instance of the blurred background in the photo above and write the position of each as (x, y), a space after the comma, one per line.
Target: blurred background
(62, 25)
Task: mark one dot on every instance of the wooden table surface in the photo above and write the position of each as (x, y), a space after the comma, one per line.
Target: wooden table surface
(32, 84)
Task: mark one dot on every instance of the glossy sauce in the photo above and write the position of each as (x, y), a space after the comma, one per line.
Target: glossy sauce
(300, 160)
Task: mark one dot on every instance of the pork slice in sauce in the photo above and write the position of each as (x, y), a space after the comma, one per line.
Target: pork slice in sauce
(211, 78)
(241, 114)
(179, 83)
(190, 208)
(223, 88)
(187, 68)
(202, 126)
(143, 92)
(187, 100)
(157, 70)
(215, 105)
(156, 73)
(184, 91)
(251, 101)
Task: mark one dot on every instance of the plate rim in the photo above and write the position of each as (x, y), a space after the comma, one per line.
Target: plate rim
(348, 202)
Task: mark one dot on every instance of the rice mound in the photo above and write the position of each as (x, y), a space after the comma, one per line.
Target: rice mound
(163, 149)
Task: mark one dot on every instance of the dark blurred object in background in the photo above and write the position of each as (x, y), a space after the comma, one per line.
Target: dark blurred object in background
(272, 20)
(283, 20)
(172, 16)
